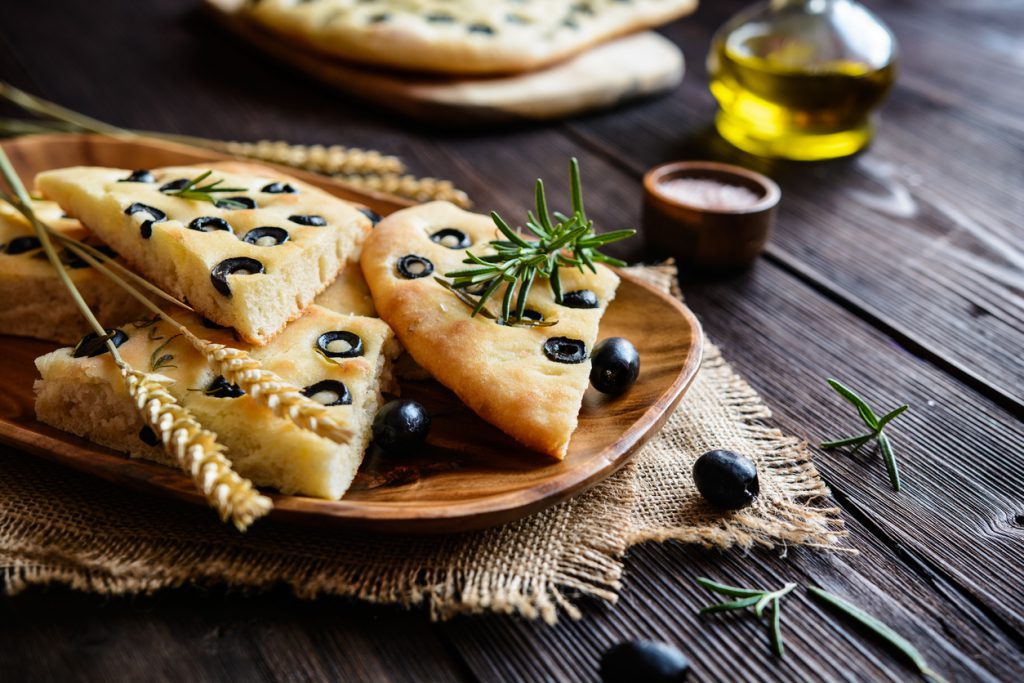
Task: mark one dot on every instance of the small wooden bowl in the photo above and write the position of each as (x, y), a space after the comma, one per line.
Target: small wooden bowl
(702, 238)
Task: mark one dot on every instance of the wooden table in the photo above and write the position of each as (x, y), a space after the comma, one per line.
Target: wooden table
(900, 271)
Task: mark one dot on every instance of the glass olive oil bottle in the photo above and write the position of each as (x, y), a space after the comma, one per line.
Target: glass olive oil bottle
(799, 78)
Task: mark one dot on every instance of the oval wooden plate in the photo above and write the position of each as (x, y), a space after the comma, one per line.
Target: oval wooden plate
(469, 476)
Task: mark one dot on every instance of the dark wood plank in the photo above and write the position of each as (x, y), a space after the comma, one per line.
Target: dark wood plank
(920, 232)
(59, 635)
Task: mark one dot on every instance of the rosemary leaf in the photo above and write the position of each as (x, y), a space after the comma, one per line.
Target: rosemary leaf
(879, 628)
(851, 441)
(716, 587)
(890, 461)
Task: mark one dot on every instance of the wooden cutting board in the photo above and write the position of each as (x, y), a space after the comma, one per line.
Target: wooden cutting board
(634, 66)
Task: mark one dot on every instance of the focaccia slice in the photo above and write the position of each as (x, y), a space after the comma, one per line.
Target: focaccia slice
(35, 301)
(527, 381)
(460, 36)
(253, 269)
(339, 360)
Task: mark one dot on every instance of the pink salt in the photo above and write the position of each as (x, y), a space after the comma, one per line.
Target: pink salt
(708, 194)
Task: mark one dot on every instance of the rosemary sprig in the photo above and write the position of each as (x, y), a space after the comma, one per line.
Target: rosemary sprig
(759, 599)
(875, 425)
(883, 631)
(561, 242)
(194, 189)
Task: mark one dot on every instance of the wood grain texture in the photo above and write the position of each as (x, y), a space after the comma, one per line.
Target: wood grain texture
(930, 580)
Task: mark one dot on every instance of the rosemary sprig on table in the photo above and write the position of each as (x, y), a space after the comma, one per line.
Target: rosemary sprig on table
(759, 599)
(562, 241)
(880, 629)
(194, 189)
(876, 425)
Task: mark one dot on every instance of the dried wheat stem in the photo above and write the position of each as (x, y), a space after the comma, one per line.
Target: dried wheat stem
(195, 449)
(317, 158)
(269, 389)
(409, 186)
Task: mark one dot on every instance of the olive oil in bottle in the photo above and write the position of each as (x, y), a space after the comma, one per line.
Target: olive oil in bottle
(799, 79)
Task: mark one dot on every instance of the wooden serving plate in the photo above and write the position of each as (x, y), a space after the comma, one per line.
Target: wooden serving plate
(469, 476)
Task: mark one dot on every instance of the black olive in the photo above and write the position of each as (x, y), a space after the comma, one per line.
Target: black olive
(148, 436)
(615, 365)
(379, 18)
(451, 238)
(247, 202)
(569, 23)
(528, 314)
(155, 216)
(371, 214)
(565, 350)
(210, 325)
(580, 298)
(331, 393)
(355, 344)
(139, 176)
(313, 220)
(221, 388)
(19, 245)
(72, 260)
(210, 224)
(92, 345)
(517, 19)
(477, 289)
(399, 425)
(178, 184)
(279, 188)
(643, 660)
(266, 236)
(440, 18)
(240, 265)
(582, 8)
(413, 266)
(480, 28)
(726, 479)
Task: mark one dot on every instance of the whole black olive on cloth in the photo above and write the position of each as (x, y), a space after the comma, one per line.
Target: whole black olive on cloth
(615, 365)
(643, 660)
(399, 425)
(726, 479)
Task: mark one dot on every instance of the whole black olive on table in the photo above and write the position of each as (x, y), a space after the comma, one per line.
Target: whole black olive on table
(643, 660)
(399, 425)
(726, 479)
(615, 365)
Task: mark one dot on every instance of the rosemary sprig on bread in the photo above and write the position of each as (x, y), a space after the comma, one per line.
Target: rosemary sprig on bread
(561, 242)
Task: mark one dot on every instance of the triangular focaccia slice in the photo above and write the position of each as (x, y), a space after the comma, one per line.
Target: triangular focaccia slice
(459, 36)
(35, 302)
(329, 355)
(253, 269)
(527, 381)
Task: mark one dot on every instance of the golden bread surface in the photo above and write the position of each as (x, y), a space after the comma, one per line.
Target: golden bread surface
(35, 302)
(211, 256)
(460, 36)
(501, 372)
(86, 396)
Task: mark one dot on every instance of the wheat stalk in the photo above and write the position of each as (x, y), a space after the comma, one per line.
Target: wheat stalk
(195, 449)
(268, 389)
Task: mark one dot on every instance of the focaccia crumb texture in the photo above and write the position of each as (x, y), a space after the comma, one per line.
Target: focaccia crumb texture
(253, 269)
(85, 396)
(460, 36)
(501, 372)
(35, 302)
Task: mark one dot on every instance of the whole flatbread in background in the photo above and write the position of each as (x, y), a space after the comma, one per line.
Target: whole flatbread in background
(460, 36)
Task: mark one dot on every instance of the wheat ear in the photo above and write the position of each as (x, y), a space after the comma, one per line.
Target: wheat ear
(270, 390)
(196, 450)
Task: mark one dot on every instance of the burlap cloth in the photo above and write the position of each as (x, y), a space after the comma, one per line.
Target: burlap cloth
(58, 526)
